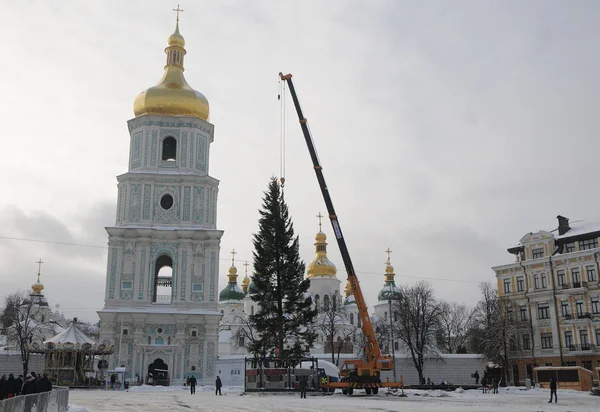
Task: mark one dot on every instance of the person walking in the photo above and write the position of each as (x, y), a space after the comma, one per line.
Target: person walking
(18, 385)
(494, 385)
(10, 388)
(476, 376)
(2, 382)
(303, 386)
(218, 385)
(553, 390)
(193, 383)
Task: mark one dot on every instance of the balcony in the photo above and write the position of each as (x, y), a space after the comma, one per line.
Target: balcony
(567, 316)
(586, 347)
(586, 315)
(163, 300)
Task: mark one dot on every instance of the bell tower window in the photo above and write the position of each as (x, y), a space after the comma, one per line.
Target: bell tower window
(169, 149)
(163, 280)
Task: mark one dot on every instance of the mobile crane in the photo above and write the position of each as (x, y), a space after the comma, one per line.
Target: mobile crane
(359, 373)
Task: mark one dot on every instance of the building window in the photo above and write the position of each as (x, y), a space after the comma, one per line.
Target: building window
(544, 281)
(507, 285)
(317, 301)
(587, 364)
(127, 285)
(536, 281)
(197, 287)
(576, 277)
(543, 311)
(396, 346)
(395, 316)
(509, 313)
(598, 340)
(584, 339)
(547, 341)
(588, 244)
(352, 318)
(169, 149)
(251, 310)
(591, 273)
(595, 306)
(579, 307)
(526, 342)
(520, 284)
(325, 302)
(561, 277)
(570, 247)
(538, 252)
(169, 340)
(194, 333)
(159, 340)
(125, 331)
(241, 342)
(564, 308)
(385, 316)
(523, 312)
(149, 340)
(569, 339)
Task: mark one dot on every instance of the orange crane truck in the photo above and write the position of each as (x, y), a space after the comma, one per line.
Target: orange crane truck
(358, 373)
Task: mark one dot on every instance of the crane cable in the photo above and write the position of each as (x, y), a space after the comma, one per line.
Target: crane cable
(281, 98)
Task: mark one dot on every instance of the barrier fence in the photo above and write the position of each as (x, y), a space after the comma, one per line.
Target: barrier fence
(55, 401)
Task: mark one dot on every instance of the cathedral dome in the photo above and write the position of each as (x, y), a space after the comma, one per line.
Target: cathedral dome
(321, 266)
(232, 291)
(172, 96)
(389, 290)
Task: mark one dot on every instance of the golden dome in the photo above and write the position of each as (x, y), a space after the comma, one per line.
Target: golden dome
(321, 266)
(172, 96)
(348, 289)
(37, 287)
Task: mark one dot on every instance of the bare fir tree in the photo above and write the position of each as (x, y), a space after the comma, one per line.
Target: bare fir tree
(21, 315)
(454, 324)
(418, 322)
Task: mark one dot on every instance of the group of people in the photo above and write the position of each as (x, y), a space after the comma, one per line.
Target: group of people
(33, 383)
(191, 381)
(488, 384)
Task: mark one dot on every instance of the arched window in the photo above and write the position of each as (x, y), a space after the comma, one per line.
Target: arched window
(163, 280)
(385, 315)
(252, 310)
(125, 331)
(317, 302)
(193, 368)
(352, 318)
(169, 340)
(159, 340)
(169, 149)
(194, 333)
(326, 302)
(149, 340)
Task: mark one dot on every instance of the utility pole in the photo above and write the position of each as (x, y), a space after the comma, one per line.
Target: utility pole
(392, 336)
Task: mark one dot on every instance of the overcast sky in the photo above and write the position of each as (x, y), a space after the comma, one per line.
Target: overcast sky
(447, 130)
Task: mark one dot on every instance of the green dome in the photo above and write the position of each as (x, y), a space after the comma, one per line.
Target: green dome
(231, 292)
(390, 290)
(350, 300)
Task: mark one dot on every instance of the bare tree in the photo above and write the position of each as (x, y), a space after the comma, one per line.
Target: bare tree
(382, 334)
(22, 315)
(246, 336)
(332, 325)
(454, 323)
(496, 329)
(418, 321)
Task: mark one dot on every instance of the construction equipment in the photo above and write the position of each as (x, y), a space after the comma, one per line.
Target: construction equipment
(356, 374)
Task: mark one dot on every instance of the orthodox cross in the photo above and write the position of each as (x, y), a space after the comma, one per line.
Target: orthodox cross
(39, 262)
(319, 216)
(388, 251)
(246, 264)
(233, 253)
(178, 10)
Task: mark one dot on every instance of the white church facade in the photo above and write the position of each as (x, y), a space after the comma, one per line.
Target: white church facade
(160, 309)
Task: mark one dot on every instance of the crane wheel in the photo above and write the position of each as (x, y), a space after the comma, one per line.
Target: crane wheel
(344, 391)
(375, 391)
(368, 391)
(350, 390)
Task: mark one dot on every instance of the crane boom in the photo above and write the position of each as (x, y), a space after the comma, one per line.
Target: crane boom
(372, 350)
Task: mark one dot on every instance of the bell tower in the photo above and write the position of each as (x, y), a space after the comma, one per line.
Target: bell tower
(163, 258)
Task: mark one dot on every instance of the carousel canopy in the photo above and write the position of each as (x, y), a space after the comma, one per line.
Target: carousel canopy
(71, 335)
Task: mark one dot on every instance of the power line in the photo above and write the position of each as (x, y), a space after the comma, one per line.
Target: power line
(106, 247)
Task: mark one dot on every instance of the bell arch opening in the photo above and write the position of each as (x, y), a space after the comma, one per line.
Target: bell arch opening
(169, 149)
(163, 280)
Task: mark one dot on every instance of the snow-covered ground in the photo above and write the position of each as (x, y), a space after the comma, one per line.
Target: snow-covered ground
(150, 399)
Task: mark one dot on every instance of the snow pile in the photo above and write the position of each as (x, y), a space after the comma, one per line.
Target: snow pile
(76, 408)
(150, 388)
(459, 390)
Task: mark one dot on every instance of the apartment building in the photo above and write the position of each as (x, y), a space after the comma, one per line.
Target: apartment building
(552, 286)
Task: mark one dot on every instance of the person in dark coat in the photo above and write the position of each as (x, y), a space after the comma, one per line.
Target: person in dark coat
(29, 386)
(303, 386)
(553, 390)
(218, 385)
(44, 384)
(2, 381)
(476, 376)
(193, 383)
(19, 385)
(10, 387)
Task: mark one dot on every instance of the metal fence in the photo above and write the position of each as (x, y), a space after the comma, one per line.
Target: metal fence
(55, 401)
